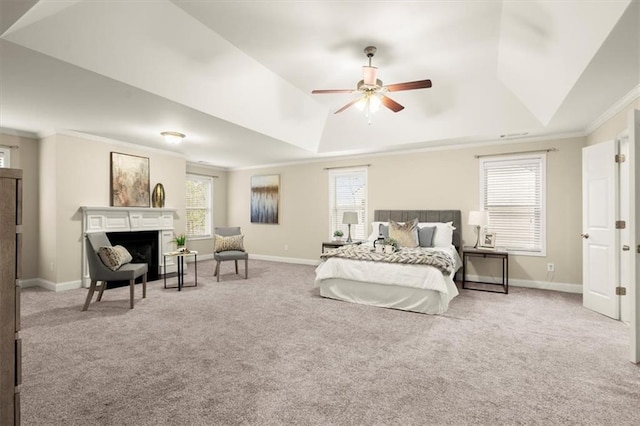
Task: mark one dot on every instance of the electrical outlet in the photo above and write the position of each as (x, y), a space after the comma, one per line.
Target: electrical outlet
(51, 266)
(286, 247)
(551, 267)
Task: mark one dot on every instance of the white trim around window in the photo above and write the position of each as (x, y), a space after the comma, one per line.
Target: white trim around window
(348, 193)
(513, 191)
(5, 157)
(199, 200)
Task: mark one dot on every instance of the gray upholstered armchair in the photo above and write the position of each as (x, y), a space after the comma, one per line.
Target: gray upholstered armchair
(98, 271)
(229, 248)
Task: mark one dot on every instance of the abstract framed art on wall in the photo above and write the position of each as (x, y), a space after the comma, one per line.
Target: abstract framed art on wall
(129, 180)
(265, 198)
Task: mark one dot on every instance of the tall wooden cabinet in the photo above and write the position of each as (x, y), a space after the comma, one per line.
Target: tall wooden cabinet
(10, 269)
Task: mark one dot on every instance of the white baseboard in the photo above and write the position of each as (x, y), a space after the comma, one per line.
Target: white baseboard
(296, 260)
(543, 285)
(200, 257)
(49, 285)
(33, 282)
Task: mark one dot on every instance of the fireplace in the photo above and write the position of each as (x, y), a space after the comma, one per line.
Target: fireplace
(143, 247)
(154, 226)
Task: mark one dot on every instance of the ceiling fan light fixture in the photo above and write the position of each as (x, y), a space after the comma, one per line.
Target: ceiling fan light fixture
(370, 75)
(173, 137)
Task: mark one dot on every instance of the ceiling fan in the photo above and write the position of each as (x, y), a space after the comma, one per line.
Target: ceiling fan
(372, 90)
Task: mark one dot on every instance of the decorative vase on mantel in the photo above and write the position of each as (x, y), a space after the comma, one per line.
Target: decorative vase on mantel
(157, 197)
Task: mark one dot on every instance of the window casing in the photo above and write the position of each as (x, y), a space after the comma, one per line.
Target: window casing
(348, 193)
(5, 154)
(513, 191)
(199, 191)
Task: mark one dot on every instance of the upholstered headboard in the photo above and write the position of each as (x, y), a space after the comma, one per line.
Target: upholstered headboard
(454, 216)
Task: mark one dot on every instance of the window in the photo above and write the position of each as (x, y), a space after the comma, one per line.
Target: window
(4, 156)
(199, 206)
(348, 193)
(512, 190)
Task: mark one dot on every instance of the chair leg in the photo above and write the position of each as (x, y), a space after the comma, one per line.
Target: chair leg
(132, 283)
(236, 266)
(103, 287)
(218, 270)
(144, 286)
(246, 268)
(92, 288)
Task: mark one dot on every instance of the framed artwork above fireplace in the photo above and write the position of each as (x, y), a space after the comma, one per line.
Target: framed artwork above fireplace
(129, 180)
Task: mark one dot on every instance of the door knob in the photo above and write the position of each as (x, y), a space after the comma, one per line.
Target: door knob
(585, 235)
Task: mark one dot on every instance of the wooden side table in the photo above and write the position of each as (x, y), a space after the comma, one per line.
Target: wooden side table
(180, 262)
(468, 252)
(336, 244)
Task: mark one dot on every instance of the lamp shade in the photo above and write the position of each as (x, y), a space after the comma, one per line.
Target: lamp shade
(350, 218)
(478, 218)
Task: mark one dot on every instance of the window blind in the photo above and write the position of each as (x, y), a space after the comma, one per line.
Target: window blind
(4, 157)
(513, 192)
(348, 193)
(199, 191)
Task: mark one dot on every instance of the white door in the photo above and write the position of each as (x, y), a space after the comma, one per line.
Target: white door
(624, 213)
(599, 249)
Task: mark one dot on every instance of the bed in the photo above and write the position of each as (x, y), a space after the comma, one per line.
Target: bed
(409, 287)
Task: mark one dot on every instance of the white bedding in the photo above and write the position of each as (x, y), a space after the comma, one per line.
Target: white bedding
(419, 288)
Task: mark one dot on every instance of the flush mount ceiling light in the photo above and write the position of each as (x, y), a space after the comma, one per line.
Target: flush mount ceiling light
(173, 137)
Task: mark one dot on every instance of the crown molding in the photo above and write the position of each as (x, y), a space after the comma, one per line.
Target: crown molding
(460, 144)
(210, 166)
(110, 141)
(18, 133)
(616, 108)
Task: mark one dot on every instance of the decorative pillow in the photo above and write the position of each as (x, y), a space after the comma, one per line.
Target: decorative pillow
(425, 236)
(375, 230)
(114, 257)
(443, 237)
(406, 235)
(384, 230)
(233, 242)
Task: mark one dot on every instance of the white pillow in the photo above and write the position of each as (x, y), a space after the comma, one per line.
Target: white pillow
(375, 230)
(443, 237)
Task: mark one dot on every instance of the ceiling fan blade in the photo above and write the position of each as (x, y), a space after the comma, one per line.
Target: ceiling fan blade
(391, 104)
(348, 105)
(411, 85)
(318, 92)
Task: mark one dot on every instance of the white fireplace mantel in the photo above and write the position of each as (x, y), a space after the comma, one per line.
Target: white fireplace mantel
(129, 219)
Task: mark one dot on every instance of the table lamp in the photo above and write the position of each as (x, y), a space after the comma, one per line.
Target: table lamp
(350, 218)
(478, 219)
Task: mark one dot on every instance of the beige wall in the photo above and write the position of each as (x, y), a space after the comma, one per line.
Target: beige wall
(62, 173)
(447, 179)
(204, 246)
(77, 172)
(614, 126)
(25, 157)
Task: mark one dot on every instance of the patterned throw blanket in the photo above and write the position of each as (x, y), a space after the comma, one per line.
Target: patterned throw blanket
(417, 256)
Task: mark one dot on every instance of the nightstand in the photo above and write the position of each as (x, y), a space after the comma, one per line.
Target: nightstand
(336, 244)
(468, 252)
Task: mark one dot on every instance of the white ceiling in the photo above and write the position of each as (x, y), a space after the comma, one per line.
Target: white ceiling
(236, 76)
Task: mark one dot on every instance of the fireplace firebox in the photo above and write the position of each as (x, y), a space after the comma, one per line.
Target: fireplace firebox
(143, 247)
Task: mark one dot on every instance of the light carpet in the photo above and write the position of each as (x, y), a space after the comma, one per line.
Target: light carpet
(269, 350)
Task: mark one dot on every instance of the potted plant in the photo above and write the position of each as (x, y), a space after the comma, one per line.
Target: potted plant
(180, 241)
(337, 235)
(390, 245)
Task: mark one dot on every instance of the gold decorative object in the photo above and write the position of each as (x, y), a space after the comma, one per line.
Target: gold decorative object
(157, 197)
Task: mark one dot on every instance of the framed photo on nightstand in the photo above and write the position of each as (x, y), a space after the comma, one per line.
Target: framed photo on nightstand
(488, 240)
